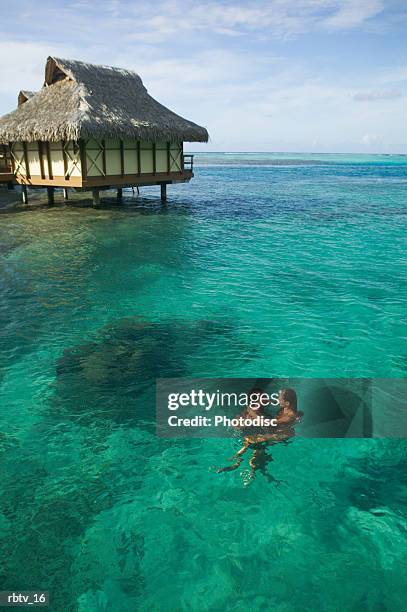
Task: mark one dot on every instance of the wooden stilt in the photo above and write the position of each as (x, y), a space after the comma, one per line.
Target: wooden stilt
(119, 193)
(24, 194)
(96, 197)
(163, 192)
(50, 195)
(65, 193)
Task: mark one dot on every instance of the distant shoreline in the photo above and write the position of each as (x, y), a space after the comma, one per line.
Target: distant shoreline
(297, 153)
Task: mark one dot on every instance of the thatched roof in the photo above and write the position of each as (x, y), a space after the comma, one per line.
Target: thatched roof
(81, 100)
(24, 95)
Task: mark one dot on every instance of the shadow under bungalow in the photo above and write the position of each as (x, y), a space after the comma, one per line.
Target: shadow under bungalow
(91, 128)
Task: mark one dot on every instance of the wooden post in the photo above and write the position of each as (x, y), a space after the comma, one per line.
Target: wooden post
(24, 194)
(96, 197)
(121, 158)
(138, 158)
(26, 163)
(65, 159)
(13, 161)
(50, 195)
(119, 193)
(104, 171)
(163, 192)
(154, 158)
(49, 160)
(40, 156)
(65, 193)
(82, 153)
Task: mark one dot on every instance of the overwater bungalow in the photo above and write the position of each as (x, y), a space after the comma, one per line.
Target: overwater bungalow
(94, 127)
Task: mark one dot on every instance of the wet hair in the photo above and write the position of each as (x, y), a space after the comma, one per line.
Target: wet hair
(290, 396)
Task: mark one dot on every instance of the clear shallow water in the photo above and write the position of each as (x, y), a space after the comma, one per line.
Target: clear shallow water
(253, 269)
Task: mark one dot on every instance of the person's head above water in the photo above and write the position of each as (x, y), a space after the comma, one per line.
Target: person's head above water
(288, 399)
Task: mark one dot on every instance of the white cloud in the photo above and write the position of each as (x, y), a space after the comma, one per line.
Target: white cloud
(23, 68)
(273, 18)
(351, 13)
(396, 74)
(371, 96)
(162, 20)
(25, 64)
(371, 139)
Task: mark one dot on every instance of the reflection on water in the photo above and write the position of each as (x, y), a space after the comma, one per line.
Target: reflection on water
(249, 271)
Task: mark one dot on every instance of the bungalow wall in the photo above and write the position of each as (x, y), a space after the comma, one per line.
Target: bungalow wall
(112, 157)
(44, 162)
(69, 163)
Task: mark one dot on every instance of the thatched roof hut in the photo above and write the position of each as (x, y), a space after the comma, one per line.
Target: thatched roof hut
(82, 100)
(96, 126)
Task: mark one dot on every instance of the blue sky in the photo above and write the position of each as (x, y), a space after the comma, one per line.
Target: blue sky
(267, 75)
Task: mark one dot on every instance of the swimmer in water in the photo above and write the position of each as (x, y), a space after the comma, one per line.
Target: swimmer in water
(287, 417)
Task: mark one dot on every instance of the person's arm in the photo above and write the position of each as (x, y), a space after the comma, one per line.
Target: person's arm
(285, 418)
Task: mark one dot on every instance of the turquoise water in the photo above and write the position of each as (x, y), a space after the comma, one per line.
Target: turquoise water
(264, 265)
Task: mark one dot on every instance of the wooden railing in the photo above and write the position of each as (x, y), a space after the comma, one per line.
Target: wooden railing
(188, 162)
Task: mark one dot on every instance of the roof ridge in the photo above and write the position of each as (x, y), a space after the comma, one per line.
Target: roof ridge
(92, 65)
